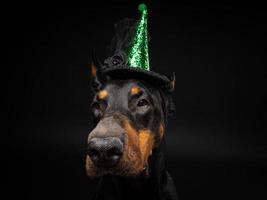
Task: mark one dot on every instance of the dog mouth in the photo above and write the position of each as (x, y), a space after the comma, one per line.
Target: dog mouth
(126, 166)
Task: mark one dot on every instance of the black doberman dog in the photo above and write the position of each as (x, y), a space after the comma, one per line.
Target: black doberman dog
(125, 149)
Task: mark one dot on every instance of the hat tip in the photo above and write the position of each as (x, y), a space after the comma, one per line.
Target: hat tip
(142, 8)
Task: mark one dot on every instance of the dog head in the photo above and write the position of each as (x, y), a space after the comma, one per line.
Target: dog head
(130, 118)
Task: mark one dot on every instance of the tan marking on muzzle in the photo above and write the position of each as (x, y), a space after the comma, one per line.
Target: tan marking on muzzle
(89, 166)
(132, 135)
(132, 155)
(146, 144)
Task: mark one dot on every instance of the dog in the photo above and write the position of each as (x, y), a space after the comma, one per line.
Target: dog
(125, 153)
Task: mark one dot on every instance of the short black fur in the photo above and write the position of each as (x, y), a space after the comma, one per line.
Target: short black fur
(158, 185)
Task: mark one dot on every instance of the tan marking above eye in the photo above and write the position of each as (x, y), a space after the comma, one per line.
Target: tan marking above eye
(135, 90)
(102, 94)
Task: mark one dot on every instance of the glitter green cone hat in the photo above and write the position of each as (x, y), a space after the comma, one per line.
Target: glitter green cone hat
(138, 51)
(129, 56)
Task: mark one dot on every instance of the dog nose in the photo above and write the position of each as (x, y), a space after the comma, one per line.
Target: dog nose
(105, 152)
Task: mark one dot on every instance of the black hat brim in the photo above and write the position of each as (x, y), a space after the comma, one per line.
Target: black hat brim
(126, 72)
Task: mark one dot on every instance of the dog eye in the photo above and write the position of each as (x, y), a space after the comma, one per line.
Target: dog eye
(142, 102)
(96, 106)
(99, 107)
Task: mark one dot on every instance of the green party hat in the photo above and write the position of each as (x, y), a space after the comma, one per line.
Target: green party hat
(129, 52)
(138, 50)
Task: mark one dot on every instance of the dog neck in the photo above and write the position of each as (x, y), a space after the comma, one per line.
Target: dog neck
(148, 185)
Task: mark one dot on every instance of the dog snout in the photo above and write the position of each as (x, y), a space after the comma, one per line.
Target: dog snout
(105, 152)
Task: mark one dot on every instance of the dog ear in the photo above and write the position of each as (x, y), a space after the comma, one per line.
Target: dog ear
(171, 84)
(97, 78)
(167, 97)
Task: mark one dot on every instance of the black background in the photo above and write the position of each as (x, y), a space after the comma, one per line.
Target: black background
(216, 143)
